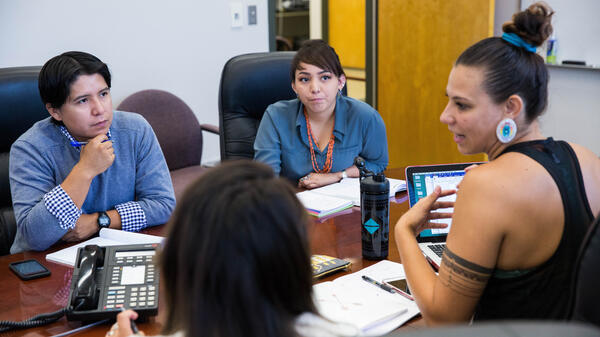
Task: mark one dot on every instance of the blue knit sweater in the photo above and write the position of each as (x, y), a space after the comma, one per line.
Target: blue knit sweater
(42, 158)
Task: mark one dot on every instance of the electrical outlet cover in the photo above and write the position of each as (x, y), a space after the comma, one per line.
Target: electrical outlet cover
(236, 14)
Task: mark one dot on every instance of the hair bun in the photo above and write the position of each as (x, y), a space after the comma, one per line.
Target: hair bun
(533, 24)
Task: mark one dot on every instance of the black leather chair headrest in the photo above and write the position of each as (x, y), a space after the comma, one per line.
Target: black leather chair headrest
(250, 83)
(20, 107)
(21, 103)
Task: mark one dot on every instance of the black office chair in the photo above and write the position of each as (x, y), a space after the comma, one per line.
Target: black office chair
(20, 107)
(250, 83)
(586, 291)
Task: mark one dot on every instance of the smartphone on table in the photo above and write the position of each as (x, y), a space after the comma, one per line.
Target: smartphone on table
(29, 269)
(401, 286)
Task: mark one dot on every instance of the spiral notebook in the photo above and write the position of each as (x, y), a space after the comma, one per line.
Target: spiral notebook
(321, 205)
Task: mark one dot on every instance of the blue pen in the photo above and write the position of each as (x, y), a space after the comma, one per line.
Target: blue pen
(78, 144)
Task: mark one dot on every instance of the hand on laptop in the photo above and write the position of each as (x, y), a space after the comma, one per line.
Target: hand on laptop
(418, 217)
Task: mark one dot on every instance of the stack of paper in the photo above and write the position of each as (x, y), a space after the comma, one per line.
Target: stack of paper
(351, 300)
(107, 237)
(321, 205)
(349, 189)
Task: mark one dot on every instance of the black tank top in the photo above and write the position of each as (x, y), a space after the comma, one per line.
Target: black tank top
(543, 292)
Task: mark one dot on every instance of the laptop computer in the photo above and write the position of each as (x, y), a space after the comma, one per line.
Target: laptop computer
(420, 182)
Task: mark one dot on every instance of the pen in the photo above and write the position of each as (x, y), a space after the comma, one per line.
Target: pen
(78, 144)
(379, 284)
(433, 265)
(133, 326)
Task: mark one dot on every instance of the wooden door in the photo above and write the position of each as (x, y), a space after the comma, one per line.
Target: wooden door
(418, 42)
(347, 31)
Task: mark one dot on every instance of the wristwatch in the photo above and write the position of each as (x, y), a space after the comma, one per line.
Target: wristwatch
(103, 220)
(344, 175)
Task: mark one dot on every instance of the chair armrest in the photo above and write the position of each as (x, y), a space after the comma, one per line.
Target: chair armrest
(210, 128)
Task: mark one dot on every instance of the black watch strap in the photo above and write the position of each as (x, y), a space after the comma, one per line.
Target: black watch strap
(103, 220)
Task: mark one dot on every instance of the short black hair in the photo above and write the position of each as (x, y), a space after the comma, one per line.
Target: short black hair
(237, 260)
(509, 69)
(318, 53)
(59, 73)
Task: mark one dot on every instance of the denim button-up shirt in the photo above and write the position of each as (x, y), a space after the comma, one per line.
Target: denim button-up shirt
(282, 139)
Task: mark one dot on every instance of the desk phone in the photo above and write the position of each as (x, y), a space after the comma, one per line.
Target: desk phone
(108, 278)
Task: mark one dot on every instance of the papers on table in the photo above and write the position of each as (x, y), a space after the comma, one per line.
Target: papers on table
(333, 198)
(107, 237)
(321, 205)
(349, 189)
(351, 300)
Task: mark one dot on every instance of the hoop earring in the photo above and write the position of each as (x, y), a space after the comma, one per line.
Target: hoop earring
(506, 130)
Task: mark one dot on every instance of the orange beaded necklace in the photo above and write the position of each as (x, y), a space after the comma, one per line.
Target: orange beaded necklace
(329, 161)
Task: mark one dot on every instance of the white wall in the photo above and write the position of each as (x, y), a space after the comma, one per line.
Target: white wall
(574, 107)
(576, 28)
(175, 45)
(315, 19)
(503, 11)
(573, 112)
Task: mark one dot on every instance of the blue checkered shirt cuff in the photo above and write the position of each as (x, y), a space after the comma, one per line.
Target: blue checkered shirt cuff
(59, 204)
(132, 215)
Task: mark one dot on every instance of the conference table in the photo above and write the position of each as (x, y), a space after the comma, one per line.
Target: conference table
(338, 235)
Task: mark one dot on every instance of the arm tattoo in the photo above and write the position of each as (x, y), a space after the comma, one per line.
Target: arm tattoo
(464, 277)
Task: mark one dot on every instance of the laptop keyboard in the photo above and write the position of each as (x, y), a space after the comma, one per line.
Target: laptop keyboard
(438, 249)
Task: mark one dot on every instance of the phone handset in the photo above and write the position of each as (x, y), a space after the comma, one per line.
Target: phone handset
(86, 292)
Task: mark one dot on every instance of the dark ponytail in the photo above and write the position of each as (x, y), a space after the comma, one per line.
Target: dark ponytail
(510, 69)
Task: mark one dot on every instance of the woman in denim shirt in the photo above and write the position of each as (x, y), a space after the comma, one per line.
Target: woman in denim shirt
(314, 138)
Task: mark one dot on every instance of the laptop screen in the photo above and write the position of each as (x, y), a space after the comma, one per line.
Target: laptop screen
(421, 180)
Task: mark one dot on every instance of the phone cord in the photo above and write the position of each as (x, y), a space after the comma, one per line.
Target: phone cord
(41, 319)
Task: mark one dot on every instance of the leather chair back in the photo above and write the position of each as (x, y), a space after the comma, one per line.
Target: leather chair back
(250, 83)
(20, 107)
(586, 292)
(174, 123)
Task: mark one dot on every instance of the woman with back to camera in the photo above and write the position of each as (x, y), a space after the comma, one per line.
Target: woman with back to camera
(236, 261)
(518, 220)
(314, 138)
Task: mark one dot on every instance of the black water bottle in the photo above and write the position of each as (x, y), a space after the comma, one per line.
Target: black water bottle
(374, 212)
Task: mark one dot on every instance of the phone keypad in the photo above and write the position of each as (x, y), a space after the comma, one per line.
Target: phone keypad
(140, 296)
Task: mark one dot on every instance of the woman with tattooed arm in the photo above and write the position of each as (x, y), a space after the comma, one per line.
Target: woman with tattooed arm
(518, 220)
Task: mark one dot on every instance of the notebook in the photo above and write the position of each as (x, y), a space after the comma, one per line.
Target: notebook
(420, 182)
(106, 237)
(321, 205)
(349, 299)
(349, 189)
